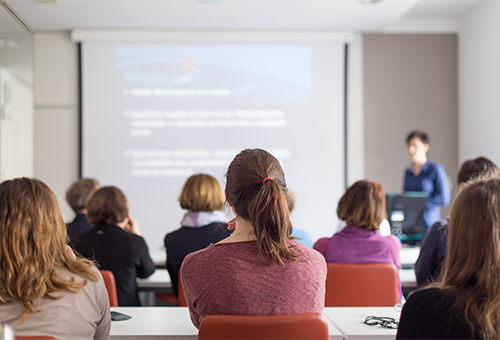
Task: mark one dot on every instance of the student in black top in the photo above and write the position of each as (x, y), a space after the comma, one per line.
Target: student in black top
(76, 196)
(204, 223)
(115, 243)
(465, 303)
(433, 251)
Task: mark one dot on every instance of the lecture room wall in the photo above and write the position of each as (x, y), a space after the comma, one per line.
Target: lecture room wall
(381, 156)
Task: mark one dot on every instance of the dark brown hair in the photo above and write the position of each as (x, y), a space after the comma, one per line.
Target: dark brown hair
(363, 205)
(202, 193)
(422, 135)
(472, 266)
(33, 245)
(475, 168)
(262, 201)
(107, 206)
(79, 192)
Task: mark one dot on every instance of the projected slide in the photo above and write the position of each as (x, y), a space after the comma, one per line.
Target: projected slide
(154, 114)
(189, 109)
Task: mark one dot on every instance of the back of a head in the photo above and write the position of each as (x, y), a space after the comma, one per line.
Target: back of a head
(79, 192)
(107, 206)
(481, 167)
(363, 205)
(472, 266)
(32, 242)
(422, 135)
(202, 192)
(256, 187)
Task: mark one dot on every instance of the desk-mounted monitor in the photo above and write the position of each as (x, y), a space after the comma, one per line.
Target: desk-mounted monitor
(405, 214)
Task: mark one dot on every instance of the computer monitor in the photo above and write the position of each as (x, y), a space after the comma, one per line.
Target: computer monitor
(405, 214)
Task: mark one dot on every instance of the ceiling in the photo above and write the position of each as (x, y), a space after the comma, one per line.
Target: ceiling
(384, 15)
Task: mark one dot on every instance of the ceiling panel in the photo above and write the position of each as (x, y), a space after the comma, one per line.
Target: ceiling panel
(223, 14)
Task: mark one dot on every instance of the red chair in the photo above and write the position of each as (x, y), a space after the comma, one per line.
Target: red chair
(290, 326)
(181, 298)
(361, 285)
(41, 337)
(110, 283)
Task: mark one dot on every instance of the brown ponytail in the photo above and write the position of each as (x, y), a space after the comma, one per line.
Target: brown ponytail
(255, 184)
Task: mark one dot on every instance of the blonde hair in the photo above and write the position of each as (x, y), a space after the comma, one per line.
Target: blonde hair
(33, 245)
(363, 205)
(201, 193)
(472, 266)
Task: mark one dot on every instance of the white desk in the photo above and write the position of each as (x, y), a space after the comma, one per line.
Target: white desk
(350, 322)
(159, 257)
(159, 280)
(153, 323)
(408, 256)
(408, 278)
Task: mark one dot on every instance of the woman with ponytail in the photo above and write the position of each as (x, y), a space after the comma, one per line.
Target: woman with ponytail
(260, 269)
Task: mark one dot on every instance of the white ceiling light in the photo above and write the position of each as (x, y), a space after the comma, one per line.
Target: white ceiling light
(369, 1)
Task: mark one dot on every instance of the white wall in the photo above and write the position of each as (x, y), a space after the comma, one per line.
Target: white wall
(410, 83)
(479, 83)
(56, 113)
(16, 127)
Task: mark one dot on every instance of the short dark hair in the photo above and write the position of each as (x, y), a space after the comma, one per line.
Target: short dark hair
(79, 192)
(422, 135)
(107, 206)
(475, 168)
(363, 205)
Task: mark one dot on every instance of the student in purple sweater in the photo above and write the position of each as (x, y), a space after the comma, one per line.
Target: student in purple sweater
(260, 269)
(363, 208)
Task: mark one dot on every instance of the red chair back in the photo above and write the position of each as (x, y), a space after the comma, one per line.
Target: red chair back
(41, 337)
(109, 281)
(290, 326)
(361, 285)
(180, 292)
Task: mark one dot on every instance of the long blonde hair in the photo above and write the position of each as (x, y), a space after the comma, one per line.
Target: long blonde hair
(472, 267)
(33, 245)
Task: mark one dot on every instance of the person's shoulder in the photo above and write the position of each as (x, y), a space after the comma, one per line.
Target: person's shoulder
(201, 257)
(430, 297)
(136, 239)
(436, 166)
(174, 234)
(309, 252)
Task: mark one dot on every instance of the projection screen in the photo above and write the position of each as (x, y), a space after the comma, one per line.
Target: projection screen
(156, 112)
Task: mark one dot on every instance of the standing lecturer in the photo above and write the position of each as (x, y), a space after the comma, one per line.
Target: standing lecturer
(424, 175)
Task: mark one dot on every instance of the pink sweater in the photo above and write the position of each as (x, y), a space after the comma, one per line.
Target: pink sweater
(229, 279)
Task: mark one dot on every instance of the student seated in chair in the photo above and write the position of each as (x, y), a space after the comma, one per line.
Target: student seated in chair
(430, 261)
(203, 224)
(260, 269)
(76, 196)
(362, 207)
(44, 288)
(115, 243)
(465, 302)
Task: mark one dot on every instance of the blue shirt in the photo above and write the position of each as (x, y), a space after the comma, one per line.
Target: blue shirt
(434, 181)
